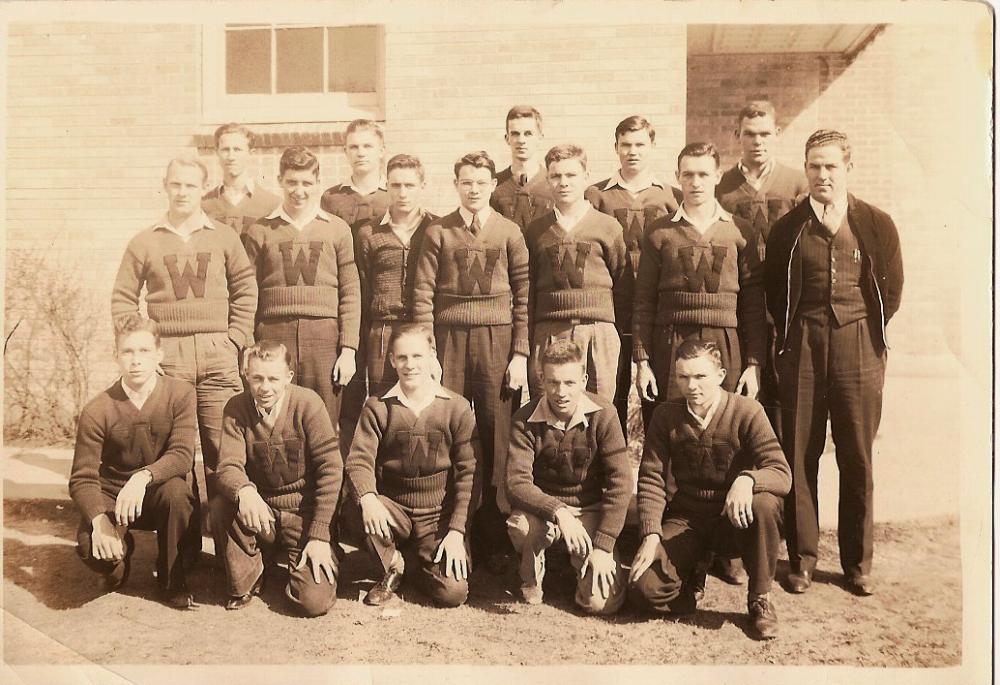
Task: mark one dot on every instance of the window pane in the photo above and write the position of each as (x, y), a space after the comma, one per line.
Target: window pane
(248, 61)
(352, 58)
(300, 60)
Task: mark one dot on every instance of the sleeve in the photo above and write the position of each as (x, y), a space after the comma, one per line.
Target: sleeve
(651, 488)
(425, 282)
(84, 479)
(242, 292)
(522, 492)
(327, 464)
(593, 196)
(360, 467)
(775, 283)
(231, 474)
(517, 259)
(770, 470)
(892, 284)
(178, 457)
(362, 256)
(618, 480)
(647, 293)
(348, 289)
(622, 283)
(128, 283)
(463, 459)
(751, 309)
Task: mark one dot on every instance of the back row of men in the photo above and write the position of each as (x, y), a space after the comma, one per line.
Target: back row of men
(537, 269)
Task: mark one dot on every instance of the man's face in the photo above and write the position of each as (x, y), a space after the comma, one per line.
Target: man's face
(827, 172)
(635, 151)
(137, 355)
(755, 136)
(475, 185)
(268, 380)
(698, 177)
(184, 186)
(698, 379)
(299, 187)
(233, 152)
(364, 150)
(568, 179)
(564, 383)
(524, 138)
(405, 189)
(412, 357)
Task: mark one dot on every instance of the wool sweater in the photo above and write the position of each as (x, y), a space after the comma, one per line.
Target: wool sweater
(704, 463)
(114, 440)
(388, 269)
(308, 272)
(295, 466)
(582, 274)
(345, 202)
(710, 279)
(778, 193)
(525, 203)
(421, 462)
(548, 468)
(203, 285)
(245, 213)
(467, 280)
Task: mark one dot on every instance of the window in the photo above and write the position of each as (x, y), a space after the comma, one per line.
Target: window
(261, 73)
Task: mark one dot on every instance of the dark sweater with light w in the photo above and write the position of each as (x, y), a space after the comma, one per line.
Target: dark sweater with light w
(522, 200)
(633, 212)
(345, 202)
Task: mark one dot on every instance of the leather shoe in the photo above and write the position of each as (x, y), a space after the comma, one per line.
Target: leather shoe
(799, 582)
(241, 601)
(698, 579)
(180, 598)
(685, 603)
(385, 590)
(729, 570)
(763, 617)
(862, 586)
(531, 594)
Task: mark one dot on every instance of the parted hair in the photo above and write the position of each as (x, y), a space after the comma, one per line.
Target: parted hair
(755, 109)
(365, 125)
(422, 330)
(635, 123)
(234, 128)
(564, 152)
(266, 351)
(479, 160)
(562, 352)
(298, 158)
(523, 112)
(828, 136)
(693, 348)
(699, 150)
(405, 162)
(134, 323)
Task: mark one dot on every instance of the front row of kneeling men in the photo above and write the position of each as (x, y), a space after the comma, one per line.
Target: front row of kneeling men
(412, 467)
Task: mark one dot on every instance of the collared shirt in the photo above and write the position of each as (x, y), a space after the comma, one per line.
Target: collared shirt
(703, 422)
(528, 173)
(838, 207)
(719, 215)
(483, 214)
(382, 185)
(193, 223)
(417, 407)
(636, 185)
(756, 181)
(314, 213)
(569, 221)
(403, 231)
(270, 416)
(139, 397)
(244, 184)
(543, 414)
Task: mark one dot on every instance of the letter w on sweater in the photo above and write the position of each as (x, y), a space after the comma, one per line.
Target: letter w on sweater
(567, 271)
(298, 268)
(471, 269)
(187, 280)
(704, 277)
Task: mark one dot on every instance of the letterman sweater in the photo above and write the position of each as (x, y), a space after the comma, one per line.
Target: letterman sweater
(295, 466)
(345, 202)
(242, 215)
(466, 280)
(387, 269)
(114, 440)
(704, 463)
(522, 204)
(203, 285)
(420, 462)
(761, 207)
(549, 468)
(713, 279)
(308, 272)
(581, 274)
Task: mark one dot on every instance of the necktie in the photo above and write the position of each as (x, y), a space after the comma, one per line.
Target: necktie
(475, 227)
(522, 179)
(830, 219)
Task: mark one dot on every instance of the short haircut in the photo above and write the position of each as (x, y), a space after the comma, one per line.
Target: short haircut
(234, 128)
(562, 352)
(188, 162)
(359, 125)
(405, 162)
(523, 112)
(136, 323)
(266, 351)
(478, 160)
(756, 109)
(563, 152)
(827, 136)
(635, 123)
(692, 348)
(298, 158)
(422, 330)
(699, 150)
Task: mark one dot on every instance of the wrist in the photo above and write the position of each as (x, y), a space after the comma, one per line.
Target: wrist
(245, 491)
(348, 352)
(144, 474)
(99, 519)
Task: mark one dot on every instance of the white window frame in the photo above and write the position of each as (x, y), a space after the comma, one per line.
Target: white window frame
(219, 107)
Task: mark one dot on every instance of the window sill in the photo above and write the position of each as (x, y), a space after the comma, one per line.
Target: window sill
(271, 136)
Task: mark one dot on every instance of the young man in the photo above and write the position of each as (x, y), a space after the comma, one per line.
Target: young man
(523, 193)
(635, 198)
(200, 289)
(310, 297)
(568, 478)
(134, 448)
(412, 468)
(238, 201)
(279, 480)
(731, 476)
(580, 287)
(834, 278)
(472, 284)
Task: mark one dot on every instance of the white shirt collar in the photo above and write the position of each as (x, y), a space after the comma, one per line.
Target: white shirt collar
(245, 182)
(569, 221)
(193, 223)
(719, 215)
(314, 213)
(403, 231)
(270, 416)
(756, 181)
(637, 185)
(417, 407)
(703, 422)
(382, 185)
(543, 413)
(839, 208)
(139, 397)
(483, 214)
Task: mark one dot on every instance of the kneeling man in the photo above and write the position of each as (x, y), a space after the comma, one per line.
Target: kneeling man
(568, 478)
(731, 475)
(280, 472)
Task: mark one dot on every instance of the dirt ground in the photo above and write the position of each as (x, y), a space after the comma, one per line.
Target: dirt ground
(56, 614)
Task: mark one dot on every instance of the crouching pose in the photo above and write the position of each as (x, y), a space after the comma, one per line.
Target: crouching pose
(280, 472)
(731, 475)
(412, 467)
(568, 478)
(134, 447)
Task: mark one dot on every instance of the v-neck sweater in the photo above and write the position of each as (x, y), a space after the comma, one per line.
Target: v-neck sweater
(388, 270)
(244, 213)
(778, 193)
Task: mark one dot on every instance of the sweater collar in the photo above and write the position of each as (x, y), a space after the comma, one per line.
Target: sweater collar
(314, 214)
(543, 413)
(483, 214)
(646, 182)
(719, 215)
(417, 408)
(193, 223)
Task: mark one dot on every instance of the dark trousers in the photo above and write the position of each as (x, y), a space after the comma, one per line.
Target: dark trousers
(624, 385)
(417, 533)
(167, 508)
(836, 372)
(242, 553)
(686, 539)
(381, 375)
(353, 397)
(770, 391)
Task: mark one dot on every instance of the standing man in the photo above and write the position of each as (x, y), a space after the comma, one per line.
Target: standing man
(238, 201)
(523, 192)
(834, 278)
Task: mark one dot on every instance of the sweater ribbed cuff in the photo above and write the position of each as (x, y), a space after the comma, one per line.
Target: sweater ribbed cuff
(362, 481)
(650, 527)
(492, 310)
(604, 541)
(561, 305)
(190, 316)
(319, 530)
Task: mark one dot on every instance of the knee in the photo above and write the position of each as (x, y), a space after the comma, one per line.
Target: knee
(654, 591)
(450, 593)
(176, 492)
(221, 511)
(766, 507)
(312, 599)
